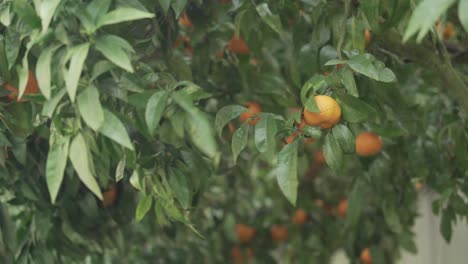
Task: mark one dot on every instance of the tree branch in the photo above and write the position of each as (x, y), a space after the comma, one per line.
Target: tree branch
(428, 56)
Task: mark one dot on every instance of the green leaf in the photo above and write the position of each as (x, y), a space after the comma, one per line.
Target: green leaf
(353, 109)
(143, 207)
(349, 82)
(180, 186)
(155, 109)
(265, 132)
(367, 65)
(120, 170)
(198, 126)
(113, 128)
(23, 76)
(79, 157)
(332, 152)
(178, 6)
(334, 62)
(123, 14)
(98, 9)
(239, 140)
(101, 67)
(391, 218)
(12, 46)
(313, 132)
(136, 182)
(270, 19)
(316, 83)
(377, 255)
(165, 4)
(227, 114)
(90, 107)
(55, 166)
(46, 12)
(446, 224)
(425, 16)
(407, 242)
(286, 172)
(50, 105)
(78, 56)
(116, 50)
(463, 13)
(27, 14)
(43, 74)
(345, 138)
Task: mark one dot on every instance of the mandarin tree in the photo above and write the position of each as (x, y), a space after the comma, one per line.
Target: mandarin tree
(192, 131)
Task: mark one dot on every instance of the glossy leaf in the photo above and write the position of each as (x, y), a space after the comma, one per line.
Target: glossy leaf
(345, 138)
(43, 73)
(116, 49)
(353, 109)
(227, 114)
(47, 10)
(123, 14)
(79, 157)
(286, 172)
(143, 207)
(155, 109)
(55, 166)
(90, 107)
(265, 132)
(78, 56)
(463, 13)
(239, 140)
(269, 18)
(333, 153)
(113, 128)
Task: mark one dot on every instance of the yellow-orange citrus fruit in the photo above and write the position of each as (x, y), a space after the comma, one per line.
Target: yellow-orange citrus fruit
(368, 144)
(300, 217)
(319, 157)
(238, 45)
(244, 233)
(448, 31)
(240, 256)
(368, 36)
(279, 233)
(109, 196)
(342, 208)
(253, 108)
(366, 256)
(418, 186)
(32, 87)
(329, 115)
(185, 21)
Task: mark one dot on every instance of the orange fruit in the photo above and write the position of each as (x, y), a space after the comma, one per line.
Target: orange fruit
(244, 233)
(319, 157)
(300, 217)
(342, 208)
(449, 31)
(329, 115)
(279, 233)
(319, 203)
(418, 186)
(109, 196)
(184, 20)
(368, 37)
(253, 109)
(32, 87)
(368, 144)
(339, 66)
(366, 256)
(238, 45)
(326, 73)
(240, 256)
(289, 139)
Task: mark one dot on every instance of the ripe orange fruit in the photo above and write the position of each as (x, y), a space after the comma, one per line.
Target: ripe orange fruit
(32, 87)
(329, 115)
(253, 109)
(326, 73)
(300, 217)
(368, 37)
(184, 20)
(238, 45)
(109, 196)
(279, 233)
(342, 208)
(366, 256)
(319, 157)
(368, 144)
(418, 186)
(245, 233)
(449, 31)
(239, 255)
(339, 66)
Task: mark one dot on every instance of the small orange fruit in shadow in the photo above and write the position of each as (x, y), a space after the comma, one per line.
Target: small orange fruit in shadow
(238, 45)
(244, 233)
(253, 108)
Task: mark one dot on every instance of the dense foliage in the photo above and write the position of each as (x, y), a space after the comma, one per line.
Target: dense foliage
(176, 131)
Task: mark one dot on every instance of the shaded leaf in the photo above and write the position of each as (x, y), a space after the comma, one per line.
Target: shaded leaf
(345, 138)
(286, 172)
(78, 56)
(43, 74)
(143, 207)
(239, 140)
(123, 14)
(227, 114)
(113, 128)
(55, 165)
(155, 109)
(332, 152)
(354, 110)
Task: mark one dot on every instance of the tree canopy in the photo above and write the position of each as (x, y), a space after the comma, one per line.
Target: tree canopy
(199, 131)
